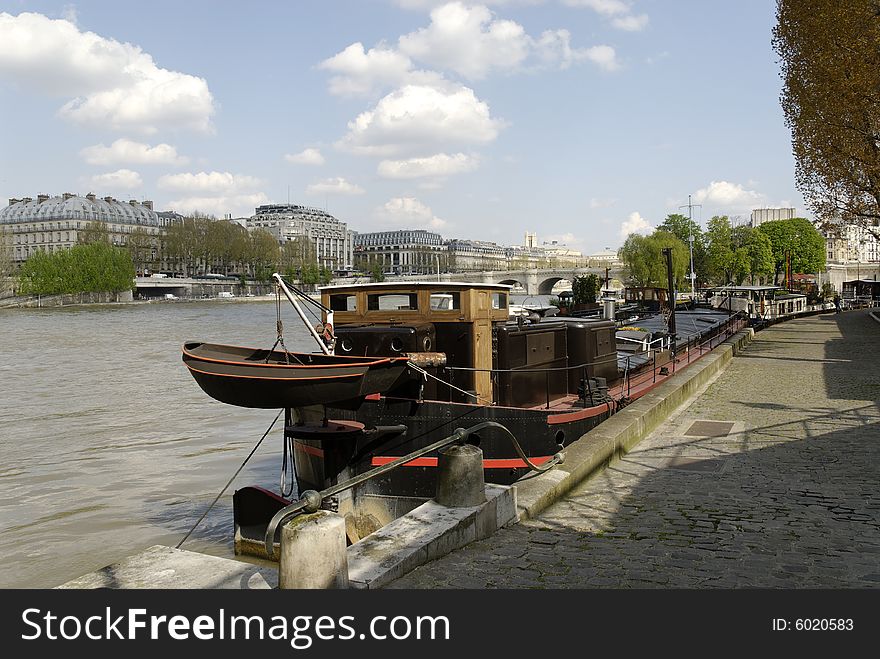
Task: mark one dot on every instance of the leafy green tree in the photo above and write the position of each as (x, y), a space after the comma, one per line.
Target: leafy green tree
(645, 264)
(723, 259)
(142, 247)
(296, 254)
(93, 232)
(585, 289)
(754, 253)
(830, 66)
(377, 272)
(264, 254)
(85, 268)
(797, 239)
(683, 228)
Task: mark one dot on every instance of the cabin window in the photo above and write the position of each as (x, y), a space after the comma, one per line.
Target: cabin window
(393, 302)
(445, 301)
(343, 302)
(499, 300)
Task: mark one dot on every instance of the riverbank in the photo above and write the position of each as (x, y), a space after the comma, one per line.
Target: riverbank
(765, 478)
(109, 299)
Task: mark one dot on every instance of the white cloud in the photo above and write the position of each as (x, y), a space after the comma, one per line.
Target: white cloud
(418, 117)
(208, 182)
(359, 72)
(726, 194)
(114, 85)
(430, 4)
(121, 179)
(468, 40)
(554, 49)
(635, 223)
(237, 205)
(596, 202)
(305, 157)
(410, 213)
(631, 22)
(336, 185)
(603, 7)
(618, 11)
(438, 165)
(124, 151)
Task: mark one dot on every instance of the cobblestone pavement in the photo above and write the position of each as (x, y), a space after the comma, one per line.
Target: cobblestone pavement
(787, 498)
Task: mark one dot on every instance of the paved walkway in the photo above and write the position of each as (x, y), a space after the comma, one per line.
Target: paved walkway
(784, 493)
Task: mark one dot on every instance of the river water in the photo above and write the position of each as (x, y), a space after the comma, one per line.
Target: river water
(107, 444)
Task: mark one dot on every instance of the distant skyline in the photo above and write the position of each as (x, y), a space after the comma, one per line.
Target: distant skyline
(579, 120)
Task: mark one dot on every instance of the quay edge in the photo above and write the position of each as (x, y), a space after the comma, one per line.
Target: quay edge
(617, 435)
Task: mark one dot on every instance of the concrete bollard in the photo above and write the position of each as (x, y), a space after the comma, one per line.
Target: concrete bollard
(313, 552)
(460, 482)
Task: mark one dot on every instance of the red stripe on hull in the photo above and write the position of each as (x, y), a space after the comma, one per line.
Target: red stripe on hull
(497, 463)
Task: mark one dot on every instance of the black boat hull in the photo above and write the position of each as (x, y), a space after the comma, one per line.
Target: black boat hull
(250, 377)
(539, 433)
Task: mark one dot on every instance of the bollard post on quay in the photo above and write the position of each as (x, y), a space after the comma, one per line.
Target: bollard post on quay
(460, 480)
(313, 552)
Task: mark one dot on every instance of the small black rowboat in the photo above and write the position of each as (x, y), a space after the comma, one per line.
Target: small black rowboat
(253, 377)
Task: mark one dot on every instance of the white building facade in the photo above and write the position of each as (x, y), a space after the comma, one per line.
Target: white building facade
(332, 239)
(761, 215)
(403, 251)
(52, 224)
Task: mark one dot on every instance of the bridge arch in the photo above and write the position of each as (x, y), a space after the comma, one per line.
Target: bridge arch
(513, 282)
(545, 287)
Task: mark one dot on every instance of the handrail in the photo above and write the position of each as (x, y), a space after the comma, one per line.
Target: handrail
(310, 500)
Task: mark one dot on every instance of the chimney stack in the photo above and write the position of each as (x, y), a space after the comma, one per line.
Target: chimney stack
(91, 196)
(42, 197)
(68, 195)
(148, 204)
(13, 200)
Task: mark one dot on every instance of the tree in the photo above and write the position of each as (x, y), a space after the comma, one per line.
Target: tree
(797, 239)
(585, 289)
(683, 228)
(296, 254)
(830, 63)
(264, 254)
(94, 232)
(85, 268)
(645, 264)
(377, 273)
(141, 245)
(754, 253)
(5, 252)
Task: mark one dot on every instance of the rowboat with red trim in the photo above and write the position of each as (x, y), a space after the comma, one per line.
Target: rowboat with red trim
(274, 379)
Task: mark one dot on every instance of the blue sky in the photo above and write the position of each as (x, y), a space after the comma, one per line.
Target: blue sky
(576, 119)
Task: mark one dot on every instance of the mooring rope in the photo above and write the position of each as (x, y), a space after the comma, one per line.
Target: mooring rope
(229, 482)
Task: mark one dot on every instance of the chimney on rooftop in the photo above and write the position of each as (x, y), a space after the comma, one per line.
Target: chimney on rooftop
(13, 200)
(148, 204)
(42, 197)
(132, 202)
(68, 195)
(91, 196)
(108, 199)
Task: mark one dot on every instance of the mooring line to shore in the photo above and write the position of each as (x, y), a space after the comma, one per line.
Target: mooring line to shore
(229, 482)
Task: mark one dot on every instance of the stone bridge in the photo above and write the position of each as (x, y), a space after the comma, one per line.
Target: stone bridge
(534, 282)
